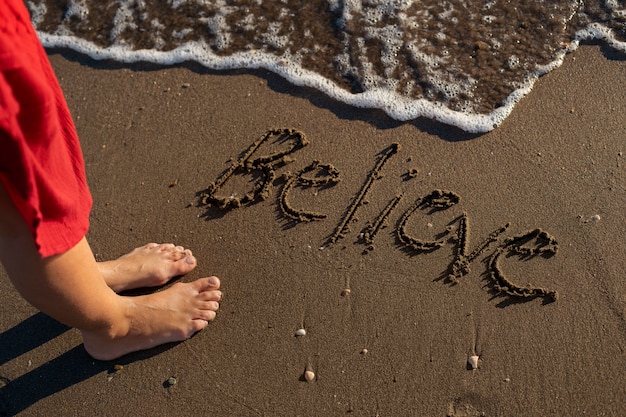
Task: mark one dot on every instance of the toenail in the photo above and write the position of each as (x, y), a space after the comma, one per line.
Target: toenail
(213, 281)
(190, 260)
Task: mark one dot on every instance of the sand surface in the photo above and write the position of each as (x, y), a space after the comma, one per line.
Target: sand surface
(398, 344)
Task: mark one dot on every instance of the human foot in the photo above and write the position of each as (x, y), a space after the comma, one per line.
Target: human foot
(172, 315)
(147, 266)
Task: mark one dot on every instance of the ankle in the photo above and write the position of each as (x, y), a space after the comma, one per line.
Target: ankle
(101, 343)
(107, 331)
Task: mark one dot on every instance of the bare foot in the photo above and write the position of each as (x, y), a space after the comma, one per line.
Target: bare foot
(172, 315)
(148, 266)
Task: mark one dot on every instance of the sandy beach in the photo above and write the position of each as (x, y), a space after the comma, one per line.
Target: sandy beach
(398, 342)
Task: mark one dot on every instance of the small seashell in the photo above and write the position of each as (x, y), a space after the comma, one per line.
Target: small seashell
(300, 332)
(364, 352)
(595, 217)
(171, 381)
(472, 361)
(117, 368)
(309, 375)
(345, 292)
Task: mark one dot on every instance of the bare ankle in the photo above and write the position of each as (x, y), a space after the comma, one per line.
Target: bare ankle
(100, 340)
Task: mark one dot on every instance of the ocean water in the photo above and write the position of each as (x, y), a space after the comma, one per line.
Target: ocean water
(462, 62)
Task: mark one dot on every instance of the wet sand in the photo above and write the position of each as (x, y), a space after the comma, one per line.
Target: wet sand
(170, 157)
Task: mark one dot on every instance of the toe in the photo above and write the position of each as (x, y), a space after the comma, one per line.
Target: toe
(213, 283)
(207, 315)
(212, 305)
(183, 265)
(211, 295)
(189, 259)
(198, 324)
(183, 254)
(206, 284)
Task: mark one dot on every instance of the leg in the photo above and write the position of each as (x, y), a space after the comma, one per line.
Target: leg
(71, 288)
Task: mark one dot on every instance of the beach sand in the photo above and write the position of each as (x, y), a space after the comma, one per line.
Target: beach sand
(398, 344)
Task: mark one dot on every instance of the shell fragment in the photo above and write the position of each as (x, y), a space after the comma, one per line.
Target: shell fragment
(309, 375)
(472, 362)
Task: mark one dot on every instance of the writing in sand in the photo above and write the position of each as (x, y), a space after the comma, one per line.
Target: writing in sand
(320, 175)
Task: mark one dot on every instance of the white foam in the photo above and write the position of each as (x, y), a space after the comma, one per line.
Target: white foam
(177, 3)
(37, 12)
(76, 8)
(219, 28)
(380, 88)
(597, 31)
(272, 37)
(488, 19)
(122, 21)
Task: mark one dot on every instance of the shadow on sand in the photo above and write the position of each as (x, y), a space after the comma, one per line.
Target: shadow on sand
(64, 371)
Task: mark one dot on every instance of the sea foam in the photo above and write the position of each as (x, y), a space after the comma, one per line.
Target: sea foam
(462, 63)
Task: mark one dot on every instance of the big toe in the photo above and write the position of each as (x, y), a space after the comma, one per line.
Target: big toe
(184, 265)
(207, 284)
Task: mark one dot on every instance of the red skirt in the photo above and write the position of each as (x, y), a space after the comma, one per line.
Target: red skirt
(41, 163)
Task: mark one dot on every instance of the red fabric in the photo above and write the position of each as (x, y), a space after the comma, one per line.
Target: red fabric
(41, 163)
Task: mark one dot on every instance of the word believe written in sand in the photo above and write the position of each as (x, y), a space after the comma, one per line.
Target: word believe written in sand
(533, 243)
